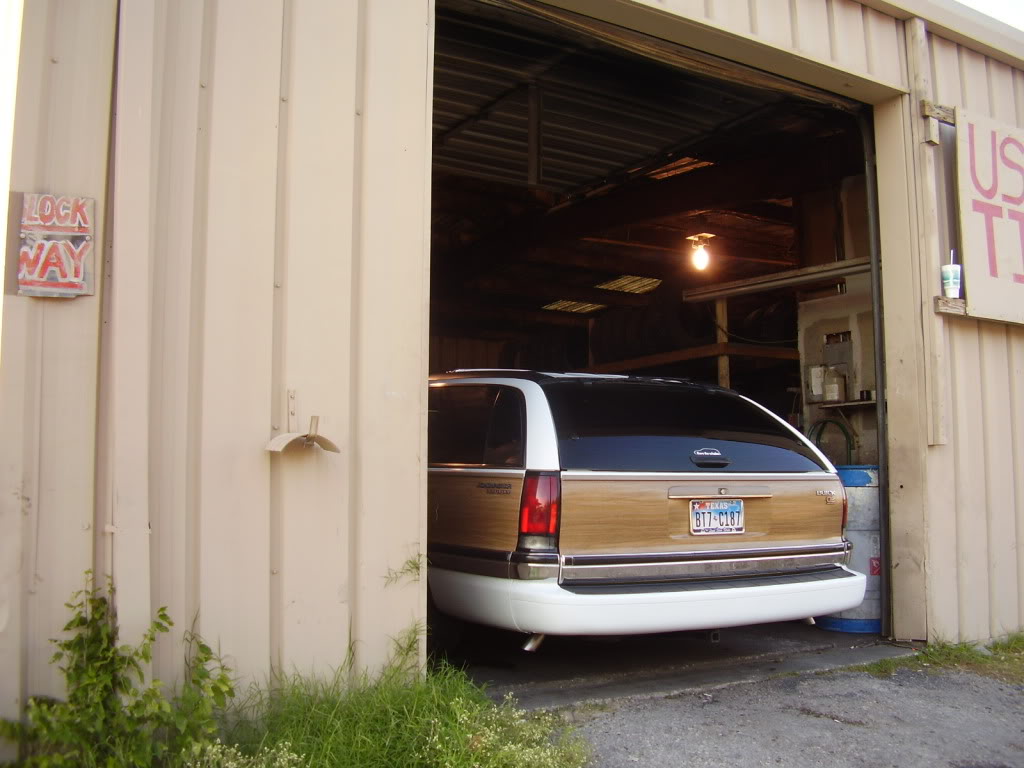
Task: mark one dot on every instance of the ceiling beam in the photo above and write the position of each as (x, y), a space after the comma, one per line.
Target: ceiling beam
(805, 276)
(509, 315)
(694, 353)
(545, 289)
(723, 247)
(773, 175)
(613, 261)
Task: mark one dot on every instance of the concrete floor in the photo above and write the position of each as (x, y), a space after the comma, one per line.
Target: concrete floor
(566, 671)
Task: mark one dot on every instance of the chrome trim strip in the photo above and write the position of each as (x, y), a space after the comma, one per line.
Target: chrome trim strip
(700, 569)
(474, 471)
(704, 477)
(482, 562)
(828, 573)
(841, 548)
(495, 563)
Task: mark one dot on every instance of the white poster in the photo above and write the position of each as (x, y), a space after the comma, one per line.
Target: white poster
(990, 178)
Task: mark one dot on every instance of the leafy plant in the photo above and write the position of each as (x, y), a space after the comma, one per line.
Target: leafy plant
(402, 717)
(112, 716)
(411, 569)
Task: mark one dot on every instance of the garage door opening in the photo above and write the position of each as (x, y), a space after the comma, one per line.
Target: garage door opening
(578, 169)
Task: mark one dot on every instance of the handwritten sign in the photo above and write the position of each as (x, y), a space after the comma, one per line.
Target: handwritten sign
(990, 179)
(57, 238)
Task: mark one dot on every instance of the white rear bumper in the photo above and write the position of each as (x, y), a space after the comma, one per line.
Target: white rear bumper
(544, 606)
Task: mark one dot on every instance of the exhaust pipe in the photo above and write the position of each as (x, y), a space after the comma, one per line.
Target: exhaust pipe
(533, 643)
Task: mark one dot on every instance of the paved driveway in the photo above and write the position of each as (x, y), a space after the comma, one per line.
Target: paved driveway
(837, 719)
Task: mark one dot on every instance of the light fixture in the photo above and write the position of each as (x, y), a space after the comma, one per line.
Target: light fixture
(700, 258)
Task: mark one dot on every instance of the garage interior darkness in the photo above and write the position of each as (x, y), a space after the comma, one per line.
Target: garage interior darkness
(575, 162)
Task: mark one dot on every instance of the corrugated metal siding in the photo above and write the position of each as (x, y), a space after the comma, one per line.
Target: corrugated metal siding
(262, 157)
(283, 272)
(841, 34)
(975, 480)
(50, 347)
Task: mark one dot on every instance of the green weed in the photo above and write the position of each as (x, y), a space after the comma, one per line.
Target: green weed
(112, 716)
(411, 569)
(1003, 660)
(437, 719)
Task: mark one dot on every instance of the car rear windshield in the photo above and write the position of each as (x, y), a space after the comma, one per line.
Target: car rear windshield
(669, 427)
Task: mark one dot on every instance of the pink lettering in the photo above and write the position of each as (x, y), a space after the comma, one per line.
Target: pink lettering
(987, 192)
(52, 260)
(79, 214)
(1018, 216)
(29, 260)
(28, 210)
(1009, 141)
(46, 210)
(990, 212)
(77, 258)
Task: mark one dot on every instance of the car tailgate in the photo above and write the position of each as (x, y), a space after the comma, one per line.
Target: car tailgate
(631, 519)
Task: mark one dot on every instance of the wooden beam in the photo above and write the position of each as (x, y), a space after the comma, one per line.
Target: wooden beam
(614, 262)
(695, 353)
(722, 337)
(544, 289)
(508, 315)
(726, 247)
(789, 278)
(773, 175)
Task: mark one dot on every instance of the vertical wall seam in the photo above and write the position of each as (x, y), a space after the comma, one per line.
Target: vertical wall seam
(355, 307)
(752, 13)
(869, 48)
(962, 76)
(277, 406)
(194, 479)
(989, 85)
(986, 415)
(831, 16)
(957, 494)
(794, 26)
(1017, 459)
(425, 310)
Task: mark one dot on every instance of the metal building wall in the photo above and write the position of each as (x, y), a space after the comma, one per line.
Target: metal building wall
(269, 236)
(255, 266)
(264, 154)
(48, 380)
(975, 378)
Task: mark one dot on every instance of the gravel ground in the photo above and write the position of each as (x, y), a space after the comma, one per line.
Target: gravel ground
(911, 718)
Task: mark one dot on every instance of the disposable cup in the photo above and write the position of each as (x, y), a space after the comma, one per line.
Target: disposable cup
(951, 281)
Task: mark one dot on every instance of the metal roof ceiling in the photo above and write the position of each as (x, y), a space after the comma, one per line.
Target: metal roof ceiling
(600, 114)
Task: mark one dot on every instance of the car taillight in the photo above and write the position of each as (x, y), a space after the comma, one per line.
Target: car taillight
(538, 509)
(846, 510)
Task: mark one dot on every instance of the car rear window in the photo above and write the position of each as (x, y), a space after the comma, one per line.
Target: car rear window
(658, 427)
(475, 425)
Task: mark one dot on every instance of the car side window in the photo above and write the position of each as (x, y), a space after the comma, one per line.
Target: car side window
(475, 425)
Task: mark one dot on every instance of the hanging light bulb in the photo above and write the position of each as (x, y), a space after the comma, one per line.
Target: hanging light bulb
(700, 258)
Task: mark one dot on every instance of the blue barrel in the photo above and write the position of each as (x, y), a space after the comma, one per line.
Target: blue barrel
(862, 529)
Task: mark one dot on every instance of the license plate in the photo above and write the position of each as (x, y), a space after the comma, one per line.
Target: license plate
(712, 516)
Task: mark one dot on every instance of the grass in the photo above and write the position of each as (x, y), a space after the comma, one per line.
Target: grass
(1004, 660)
(439, 719)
